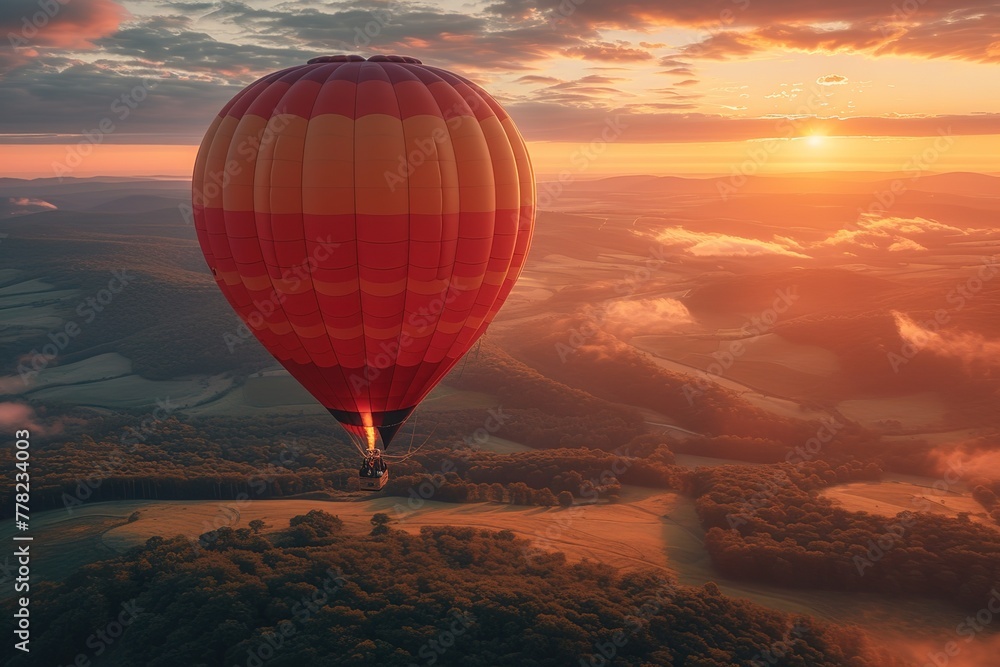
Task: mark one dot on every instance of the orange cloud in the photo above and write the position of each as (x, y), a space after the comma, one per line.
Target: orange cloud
(970, 348)
(70, 25)
(962, 29)
(724, 45)
(832, 80)
(904, 245)
(619, 52)
(892, 233)
(970, 38)
(537, 78)
(709, 244)
(629, 317)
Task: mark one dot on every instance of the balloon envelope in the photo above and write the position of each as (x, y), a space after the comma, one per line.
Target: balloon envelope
(366, 219)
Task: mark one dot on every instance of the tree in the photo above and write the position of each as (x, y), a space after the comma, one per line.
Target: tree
(565, 499)
(257, 525)
(306, 528)
(216, 605)
(545, 498)
(380, 523)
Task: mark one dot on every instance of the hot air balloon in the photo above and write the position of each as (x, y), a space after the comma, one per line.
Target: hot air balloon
(366, 219)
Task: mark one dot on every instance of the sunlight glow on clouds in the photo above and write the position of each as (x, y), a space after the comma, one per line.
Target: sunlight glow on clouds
(972, 349)
(710, 244)
(892, 233)
(832, 80)
(648, 315)
(672, 68)
(904, 245)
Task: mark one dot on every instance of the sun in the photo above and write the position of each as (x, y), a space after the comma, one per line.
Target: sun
(815, 140)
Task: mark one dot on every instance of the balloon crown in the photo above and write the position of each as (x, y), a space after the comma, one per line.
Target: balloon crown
(341, 58)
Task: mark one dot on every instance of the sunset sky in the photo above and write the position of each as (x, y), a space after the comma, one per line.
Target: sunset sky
(680, 87)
